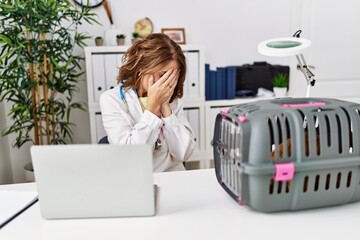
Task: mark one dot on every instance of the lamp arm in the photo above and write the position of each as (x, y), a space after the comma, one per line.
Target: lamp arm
(310, 81)
(305, 70)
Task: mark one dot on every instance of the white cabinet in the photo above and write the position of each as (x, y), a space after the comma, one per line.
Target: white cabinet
(102, 66)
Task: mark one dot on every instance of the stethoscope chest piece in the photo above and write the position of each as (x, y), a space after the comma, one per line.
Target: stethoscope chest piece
(158, 144)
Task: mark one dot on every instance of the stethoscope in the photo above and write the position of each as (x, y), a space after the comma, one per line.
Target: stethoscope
(123, 97)
(158, 143)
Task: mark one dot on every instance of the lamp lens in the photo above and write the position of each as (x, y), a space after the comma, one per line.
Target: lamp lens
(283, 44)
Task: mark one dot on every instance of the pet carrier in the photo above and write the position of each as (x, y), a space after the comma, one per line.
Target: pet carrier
(289, 154)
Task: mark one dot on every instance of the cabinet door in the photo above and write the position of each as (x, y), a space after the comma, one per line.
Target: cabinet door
(98, 72)
(192, 76)
(192, 115)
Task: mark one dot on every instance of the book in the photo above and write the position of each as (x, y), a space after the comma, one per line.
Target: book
(207, 82)
(213, 94)
(219, 84)
(231, 83)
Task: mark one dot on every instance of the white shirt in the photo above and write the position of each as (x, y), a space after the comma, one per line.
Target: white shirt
(126, 123)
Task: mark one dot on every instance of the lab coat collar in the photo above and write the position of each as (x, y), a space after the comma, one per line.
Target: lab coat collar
(135, 110)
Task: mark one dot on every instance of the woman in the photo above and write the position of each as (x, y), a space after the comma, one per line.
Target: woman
(146, 107)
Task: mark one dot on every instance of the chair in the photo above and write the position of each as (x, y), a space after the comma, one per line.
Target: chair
(104, 140)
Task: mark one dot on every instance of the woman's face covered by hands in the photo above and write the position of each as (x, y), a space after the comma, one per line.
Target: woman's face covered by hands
(161, 82)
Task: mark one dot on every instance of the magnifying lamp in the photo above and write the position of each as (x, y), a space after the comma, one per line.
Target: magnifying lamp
(290, 46)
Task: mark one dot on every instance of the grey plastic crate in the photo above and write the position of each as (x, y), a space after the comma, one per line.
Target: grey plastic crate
(290, 153)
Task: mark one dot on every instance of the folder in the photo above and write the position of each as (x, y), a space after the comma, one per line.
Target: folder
(207, 82)
(193, 74)
(13, 203)
(231, 83)
(213, 85)
(98, 71)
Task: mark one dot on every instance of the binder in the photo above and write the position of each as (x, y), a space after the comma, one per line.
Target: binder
(207, 82)
(118, 63)
(111, 70)
(193, 73)
(231, 83)
(224, 82)
(220, 83)
(187, 77)
(98, 70)
(193, 116)
(213, 85)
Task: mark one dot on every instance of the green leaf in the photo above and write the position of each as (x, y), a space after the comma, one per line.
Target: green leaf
(22, 61)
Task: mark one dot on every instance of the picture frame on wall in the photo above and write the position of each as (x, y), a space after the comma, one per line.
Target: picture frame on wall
(176, 34)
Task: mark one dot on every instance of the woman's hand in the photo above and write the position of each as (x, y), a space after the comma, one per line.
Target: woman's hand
(165, 107)
(160, 92)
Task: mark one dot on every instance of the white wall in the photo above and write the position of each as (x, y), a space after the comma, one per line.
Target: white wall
(229, 31)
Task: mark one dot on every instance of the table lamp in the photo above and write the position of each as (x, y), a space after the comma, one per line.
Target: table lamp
(290, 46)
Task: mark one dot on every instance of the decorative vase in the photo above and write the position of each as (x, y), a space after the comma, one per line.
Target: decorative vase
(280, 91)
(110, 36)
(120, 41)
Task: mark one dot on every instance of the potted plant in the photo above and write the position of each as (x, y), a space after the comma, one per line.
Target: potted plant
(99, 41)
(120, 39)
(280, 84)
(135, 36)
(38, 70)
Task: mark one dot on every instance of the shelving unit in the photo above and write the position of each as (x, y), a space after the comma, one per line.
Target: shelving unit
(102, 65)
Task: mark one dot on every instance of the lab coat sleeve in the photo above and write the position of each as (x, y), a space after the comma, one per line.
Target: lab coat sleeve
(178, 134)
(121, 128)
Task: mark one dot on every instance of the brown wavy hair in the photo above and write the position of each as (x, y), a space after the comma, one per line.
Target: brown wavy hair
(148, 55)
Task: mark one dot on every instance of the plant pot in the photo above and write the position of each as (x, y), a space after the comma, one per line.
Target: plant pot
(280, 92)
(120, 41)
(99, 41)
(29, 172)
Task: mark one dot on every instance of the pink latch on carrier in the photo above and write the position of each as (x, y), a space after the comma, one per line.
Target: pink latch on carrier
(284, 171)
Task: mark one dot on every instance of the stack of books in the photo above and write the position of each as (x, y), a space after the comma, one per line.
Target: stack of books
(220, 83)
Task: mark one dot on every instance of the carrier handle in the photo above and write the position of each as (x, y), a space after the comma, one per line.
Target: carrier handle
(298, 105)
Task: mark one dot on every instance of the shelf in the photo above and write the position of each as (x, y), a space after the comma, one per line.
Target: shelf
(200, 113)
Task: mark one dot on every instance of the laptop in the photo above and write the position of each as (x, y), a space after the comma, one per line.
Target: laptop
(94, 181)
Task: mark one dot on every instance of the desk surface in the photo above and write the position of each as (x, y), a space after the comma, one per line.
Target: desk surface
(191, 205)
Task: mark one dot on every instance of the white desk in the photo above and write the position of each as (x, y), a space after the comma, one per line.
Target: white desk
(191, 205)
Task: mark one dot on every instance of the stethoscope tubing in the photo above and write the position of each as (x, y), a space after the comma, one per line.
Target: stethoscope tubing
(158, 142)
(122, 96)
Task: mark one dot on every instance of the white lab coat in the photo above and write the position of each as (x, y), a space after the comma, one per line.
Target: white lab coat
(128, 124)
